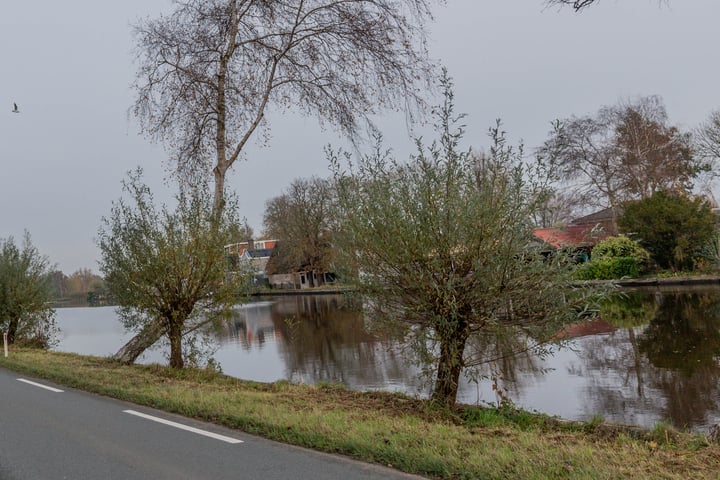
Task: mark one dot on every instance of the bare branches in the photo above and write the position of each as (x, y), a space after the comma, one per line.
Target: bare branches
(707, 137)
(208, 72)
(623, 152)
(579, 5)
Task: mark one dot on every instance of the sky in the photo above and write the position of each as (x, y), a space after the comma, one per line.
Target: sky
(69, 66)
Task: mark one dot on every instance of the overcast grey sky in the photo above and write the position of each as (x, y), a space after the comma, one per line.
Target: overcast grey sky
(69, 65)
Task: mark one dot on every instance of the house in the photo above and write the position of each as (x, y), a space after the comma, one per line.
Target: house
(582, 233)
(288, 270)
(254, 254)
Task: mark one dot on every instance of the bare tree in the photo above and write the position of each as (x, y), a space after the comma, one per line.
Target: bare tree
(209, 71)
(302, 219)
(707, 137)
(624, 152)
(653, 155)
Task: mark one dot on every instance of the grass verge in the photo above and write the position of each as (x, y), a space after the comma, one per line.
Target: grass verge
(389, 429)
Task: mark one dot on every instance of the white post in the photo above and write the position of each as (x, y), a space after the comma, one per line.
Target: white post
(5, 342)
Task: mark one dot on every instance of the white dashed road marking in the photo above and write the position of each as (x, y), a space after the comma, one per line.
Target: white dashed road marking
(222, 438)
(56, 390)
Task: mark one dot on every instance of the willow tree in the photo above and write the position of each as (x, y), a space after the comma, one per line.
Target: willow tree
(443, 248)
(166, 268)
(25, 312)
(210, 70)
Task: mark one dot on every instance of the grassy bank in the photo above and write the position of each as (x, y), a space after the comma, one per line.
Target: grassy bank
(389, 429)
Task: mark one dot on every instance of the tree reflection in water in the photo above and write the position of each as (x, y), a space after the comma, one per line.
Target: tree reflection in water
(323, 338)
(666, 352)
(654, 355)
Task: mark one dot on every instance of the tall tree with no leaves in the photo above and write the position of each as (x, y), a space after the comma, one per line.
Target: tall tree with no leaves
(707, 140)
(209, 71)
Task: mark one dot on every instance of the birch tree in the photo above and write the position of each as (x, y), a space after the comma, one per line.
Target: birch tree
(210, 70)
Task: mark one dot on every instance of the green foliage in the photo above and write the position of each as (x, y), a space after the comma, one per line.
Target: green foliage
(621, 246)
(628, 309)
(609, 268)
(24, 293)
(674, 228)
(615, 257)
(168, 266)
(441, 247)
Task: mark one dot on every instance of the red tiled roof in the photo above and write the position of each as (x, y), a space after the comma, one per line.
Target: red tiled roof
(571, 236)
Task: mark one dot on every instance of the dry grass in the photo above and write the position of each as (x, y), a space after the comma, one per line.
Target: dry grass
(390, 429)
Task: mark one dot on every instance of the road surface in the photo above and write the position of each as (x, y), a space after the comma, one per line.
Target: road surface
(51, 432)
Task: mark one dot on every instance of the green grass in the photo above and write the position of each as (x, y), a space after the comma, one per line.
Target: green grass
(391, 429)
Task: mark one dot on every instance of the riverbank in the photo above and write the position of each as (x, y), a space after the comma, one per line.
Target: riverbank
(669, 281)
(628, 282)
(390, 429)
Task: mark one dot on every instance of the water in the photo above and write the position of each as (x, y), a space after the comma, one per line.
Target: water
(654, 356)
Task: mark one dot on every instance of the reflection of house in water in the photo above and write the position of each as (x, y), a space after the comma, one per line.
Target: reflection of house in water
(584, 329)
(252, 324)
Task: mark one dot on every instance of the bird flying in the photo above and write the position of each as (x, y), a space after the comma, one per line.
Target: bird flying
(15, 108)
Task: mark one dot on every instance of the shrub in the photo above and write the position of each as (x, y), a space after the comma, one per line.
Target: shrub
(609, 268)
(617, 247)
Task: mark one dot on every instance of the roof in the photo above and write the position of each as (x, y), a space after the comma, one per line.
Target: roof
(582, 232)
(603, 217)
(571, 236)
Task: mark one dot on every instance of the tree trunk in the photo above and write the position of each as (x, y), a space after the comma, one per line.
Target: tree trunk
(219, 194)
(175, 336)
(135, 347)
(452, 347)
(12, 330)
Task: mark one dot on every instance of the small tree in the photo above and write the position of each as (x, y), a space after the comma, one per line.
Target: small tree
(674, 228)
(25, 313)
(441, 246)
(166, 269)
(616, 247)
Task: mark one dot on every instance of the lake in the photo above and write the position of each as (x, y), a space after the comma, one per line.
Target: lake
(654, 355)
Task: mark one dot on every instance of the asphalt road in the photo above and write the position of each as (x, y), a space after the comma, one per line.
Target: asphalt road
(68, 434)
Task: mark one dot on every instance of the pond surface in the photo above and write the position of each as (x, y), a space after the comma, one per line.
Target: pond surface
(653, 356)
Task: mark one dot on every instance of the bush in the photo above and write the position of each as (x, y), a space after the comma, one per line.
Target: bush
(618, 247)
(615, 257)
(609, 268)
